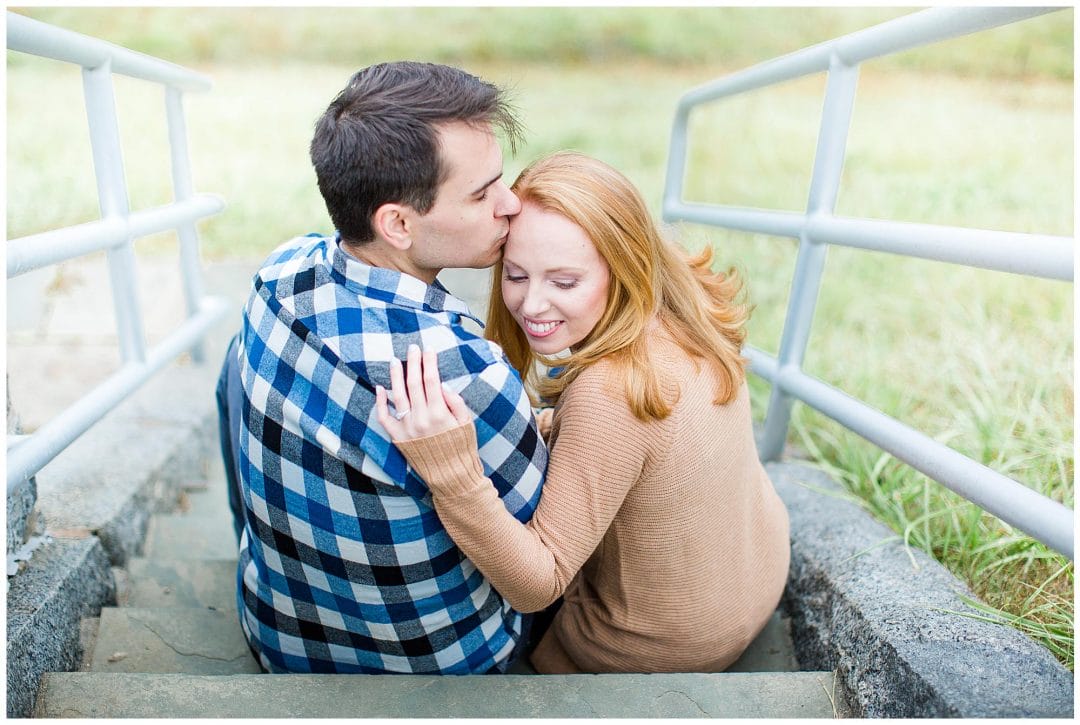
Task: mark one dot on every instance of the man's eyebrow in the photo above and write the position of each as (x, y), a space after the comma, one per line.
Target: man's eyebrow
(485, 185)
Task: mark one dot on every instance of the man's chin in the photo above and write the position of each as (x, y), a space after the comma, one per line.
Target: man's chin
(489, 261)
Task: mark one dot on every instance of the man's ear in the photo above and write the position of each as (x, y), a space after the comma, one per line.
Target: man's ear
(391, 222)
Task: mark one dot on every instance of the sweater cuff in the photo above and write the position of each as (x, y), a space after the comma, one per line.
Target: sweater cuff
(448, 462)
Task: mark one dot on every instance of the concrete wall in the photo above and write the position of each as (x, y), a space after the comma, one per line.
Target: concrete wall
(892, 624)
(22, 519)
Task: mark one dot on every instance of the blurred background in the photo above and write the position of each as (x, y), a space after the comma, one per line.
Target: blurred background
(975, 132)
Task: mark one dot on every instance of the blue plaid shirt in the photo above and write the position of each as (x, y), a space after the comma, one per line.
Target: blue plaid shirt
(344, 564)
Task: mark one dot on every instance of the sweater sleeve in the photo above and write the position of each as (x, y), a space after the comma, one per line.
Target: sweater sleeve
(598, 454)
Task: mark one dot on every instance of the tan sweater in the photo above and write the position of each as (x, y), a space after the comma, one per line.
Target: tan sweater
(665, 538)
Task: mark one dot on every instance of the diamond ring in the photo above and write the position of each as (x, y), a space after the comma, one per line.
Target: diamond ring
(401, 414)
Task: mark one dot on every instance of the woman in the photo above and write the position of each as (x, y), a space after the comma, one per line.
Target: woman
(657, 524)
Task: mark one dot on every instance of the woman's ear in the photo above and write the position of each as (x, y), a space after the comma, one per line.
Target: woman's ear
(391, 222)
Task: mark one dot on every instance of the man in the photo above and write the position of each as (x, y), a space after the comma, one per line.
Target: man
(344, 565)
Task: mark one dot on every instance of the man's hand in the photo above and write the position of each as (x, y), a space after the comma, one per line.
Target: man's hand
(424, 406)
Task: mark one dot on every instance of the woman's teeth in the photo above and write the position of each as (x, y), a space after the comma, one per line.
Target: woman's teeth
(540, 328)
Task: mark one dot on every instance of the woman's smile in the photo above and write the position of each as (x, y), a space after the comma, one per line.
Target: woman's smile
(538, 328)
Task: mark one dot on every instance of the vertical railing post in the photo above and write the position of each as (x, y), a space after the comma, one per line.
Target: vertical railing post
(810, 263)
(677, 156)
(115, 233)
(113, 202)
(184, 189)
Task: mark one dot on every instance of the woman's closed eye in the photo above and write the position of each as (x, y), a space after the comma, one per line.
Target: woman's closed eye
(562, 284)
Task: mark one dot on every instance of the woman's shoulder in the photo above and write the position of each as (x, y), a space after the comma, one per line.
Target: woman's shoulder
(595, 404)
(602, 385)
(597, 379)
(606, 376)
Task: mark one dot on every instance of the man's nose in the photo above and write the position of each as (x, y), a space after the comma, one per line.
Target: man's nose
(509, 204)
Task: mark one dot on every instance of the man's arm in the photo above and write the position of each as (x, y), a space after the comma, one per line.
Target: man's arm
(512, 450)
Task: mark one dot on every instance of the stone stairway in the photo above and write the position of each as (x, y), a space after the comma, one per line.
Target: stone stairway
(177, 603)
(172, 647)
(886, 619)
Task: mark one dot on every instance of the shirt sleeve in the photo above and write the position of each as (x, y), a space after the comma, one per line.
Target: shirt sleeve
(512, 453)
(598, 455)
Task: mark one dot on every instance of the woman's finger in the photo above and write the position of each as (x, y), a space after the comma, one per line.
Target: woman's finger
(397, 387)
(381, 411)
(413, 381)
(387, 421)
(457, 405)
(432, 382)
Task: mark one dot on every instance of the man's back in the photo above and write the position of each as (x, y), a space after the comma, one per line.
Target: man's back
(344, 565)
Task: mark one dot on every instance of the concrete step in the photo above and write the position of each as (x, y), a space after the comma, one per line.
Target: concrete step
(211, 584)
(187, 640)
(184, 536)
(199, 583)
(772, 651)
(745, 695)
(208, 499)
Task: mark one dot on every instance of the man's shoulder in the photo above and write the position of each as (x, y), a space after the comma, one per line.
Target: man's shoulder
(463, 356)
(481, 352)
(295, 256)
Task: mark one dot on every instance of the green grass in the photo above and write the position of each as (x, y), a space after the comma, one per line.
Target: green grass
(721, 37)
(976, 132)
(981, 361)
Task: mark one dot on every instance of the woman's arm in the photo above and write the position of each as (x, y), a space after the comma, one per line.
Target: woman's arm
(598, 455)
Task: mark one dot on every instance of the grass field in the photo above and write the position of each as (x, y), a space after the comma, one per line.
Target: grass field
(976, 132)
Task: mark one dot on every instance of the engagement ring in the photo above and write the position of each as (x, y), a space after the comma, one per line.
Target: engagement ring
(402, 414)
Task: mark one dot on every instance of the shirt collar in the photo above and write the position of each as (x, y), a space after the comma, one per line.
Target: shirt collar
(395, 287)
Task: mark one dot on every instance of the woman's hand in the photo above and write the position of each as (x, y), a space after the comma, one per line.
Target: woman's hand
(424, 406)
(544, 417)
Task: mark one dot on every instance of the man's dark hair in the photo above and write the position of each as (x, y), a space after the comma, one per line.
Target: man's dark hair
(377, 142)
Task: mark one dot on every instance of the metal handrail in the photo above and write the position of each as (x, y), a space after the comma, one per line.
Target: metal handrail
(48, 41)
(1034, 255)
(1027, 254)
(26, 254)
(116, 231)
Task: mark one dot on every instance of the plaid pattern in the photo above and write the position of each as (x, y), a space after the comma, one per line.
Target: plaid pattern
(344, 564)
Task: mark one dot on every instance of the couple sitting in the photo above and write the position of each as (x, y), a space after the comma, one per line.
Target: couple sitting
(399, 503)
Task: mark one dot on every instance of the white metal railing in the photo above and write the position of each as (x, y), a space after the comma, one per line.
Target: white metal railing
(817, 228)
(116, 231)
